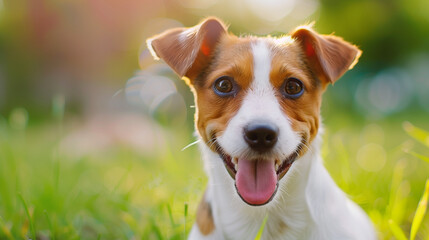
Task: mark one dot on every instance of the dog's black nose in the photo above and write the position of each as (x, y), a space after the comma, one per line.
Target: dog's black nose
(261, 137)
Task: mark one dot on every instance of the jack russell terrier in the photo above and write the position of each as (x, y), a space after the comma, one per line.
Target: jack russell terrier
(258, 118)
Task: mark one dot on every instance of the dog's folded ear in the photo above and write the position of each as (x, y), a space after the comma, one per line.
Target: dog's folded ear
(188, 50)
(328, 55)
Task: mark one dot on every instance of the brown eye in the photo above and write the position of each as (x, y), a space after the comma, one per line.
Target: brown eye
(224, 86)
(293, 88)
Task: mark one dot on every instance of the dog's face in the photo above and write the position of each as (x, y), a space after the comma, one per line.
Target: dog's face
(258, 99)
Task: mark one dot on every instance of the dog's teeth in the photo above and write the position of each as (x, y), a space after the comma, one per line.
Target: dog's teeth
(236, 167)
(234, 160)
(277, 164)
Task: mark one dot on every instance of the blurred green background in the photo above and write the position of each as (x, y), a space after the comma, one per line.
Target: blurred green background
(91, 146)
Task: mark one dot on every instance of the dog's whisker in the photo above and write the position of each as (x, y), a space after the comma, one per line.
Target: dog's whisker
(190, 145)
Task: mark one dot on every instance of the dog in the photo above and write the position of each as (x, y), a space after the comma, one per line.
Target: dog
(258, 120)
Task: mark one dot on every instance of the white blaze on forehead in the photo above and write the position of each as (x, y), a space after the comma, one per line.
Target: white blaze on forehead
(261, 66)
(259, 105)
(261, 96)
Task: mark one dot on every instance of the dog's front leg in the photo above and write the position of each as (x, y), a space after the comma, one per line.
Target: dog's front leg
(204, 227)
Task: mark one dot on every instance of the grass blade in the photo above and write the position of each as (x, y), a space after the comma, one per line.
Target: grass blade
(417, 133)
(422, 157)
(185, 215)
(4, 229)
(50, 224)
(420, 212)
(261, 229)
(170, 215)
(155, 229)
(396, 230)
(30, 220)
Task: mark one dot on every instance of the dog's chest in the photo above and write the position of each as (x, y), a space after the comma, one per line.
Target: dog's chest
(276, 227)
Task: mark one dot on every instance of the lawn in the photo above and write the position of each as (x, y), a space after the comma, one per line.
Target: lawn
(49, 189)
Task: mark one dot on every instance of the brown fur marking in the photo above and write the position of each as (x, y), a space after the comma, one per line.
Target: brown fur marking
(304, 112)
(204, 217)
(214, 112)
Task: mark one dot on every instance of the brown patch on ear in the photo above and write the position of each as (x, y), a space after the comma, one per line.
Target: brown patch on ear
(188, 50)
(204, 220)
(328, 55)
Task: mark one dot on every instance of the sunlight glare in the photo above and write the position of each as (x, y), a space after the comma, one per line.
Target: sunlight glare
(198, 4)
(271, 10)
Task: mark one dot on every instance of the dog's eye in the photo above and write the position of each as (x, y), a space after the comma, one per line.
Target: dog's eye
(293, 88)
(224, 86)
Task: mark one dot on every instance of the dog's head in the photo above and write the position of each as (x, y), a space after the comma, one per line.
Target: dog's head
(258, 99)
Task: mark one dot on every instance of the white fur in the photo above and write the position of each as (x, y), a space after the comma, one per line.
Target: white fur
(308, 204)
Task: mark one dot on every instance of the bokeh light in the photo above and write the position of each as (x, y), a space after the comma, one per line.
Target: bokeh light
(390, 91)
(157, 96)
(371, 157)
(271, 10)
(198, 4)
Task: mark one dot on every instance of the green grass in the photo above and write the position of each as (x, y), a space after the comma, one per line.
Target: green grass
(119, 193)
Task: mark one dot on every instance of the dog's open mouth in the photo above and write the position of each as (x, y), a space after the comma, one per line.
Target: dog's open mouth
(256, 180)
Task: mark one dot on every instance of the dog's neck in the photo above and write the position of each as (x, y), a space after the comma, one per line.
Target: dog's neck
(288, 213)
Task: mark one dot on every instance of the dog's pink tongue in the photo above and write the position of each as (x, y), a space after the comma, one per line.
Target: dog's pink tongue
(256, 181)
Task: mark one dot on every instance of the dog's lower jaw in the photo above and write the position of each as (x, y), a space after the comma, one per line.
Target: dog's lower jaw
(308, 205)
